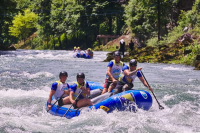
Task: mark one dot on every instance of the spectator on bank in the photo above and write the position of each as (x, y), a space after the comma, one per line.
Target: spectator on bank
(131, 45)
(122, 46)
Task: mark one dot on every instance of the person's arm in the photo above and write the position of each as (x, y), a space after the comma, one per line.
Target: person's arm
(127, 72)
(86, 90)
(67, 91)
(73, 89)
(145, 83)
(109, 73)
(71, 97)
(50, 98)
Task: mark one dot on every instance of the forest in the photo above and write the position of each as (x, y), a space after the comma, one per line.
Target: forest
(63, 24)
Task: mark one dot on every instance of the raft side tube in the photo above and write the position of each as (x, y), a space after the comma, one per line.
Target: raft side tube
(122, 101)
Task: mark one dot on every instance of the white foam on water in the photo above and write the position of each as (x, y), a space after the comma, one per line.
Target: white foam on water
(193, 92)
(142, 121)
(24, 110)
(27, 74)
(99, 121)
(37, 75)
(16, 93)
(169, 68)
(191, 79)
(58, 55)
(23, 120)
(168, 97)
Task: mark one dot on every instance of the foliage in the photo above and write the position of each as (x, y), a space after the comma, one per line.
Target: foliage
(142, 17)
(189, 20)
(7, 11)
(152, 42)
(23, 24)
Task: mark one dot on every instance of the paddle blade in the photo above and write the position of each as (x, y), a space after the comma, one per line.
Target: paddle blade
(161, 107)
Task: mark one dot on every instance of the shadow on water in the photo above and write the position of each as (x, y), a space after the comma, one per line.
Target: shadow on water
(8, 53)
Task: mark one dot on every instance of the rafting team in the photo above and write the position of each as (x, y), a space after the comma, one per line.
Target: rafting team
(87, 51)
(119, 77)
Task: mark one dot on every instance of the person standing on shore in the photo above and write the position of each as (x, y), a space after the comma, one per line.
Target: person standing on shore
(131, 45)
(122, 46)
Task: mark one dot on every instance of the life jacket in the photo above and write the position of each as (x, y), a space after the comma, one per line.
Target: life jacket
(60, 89)
(90, 54)
(115, 70)
(78, 89)
(127, 79)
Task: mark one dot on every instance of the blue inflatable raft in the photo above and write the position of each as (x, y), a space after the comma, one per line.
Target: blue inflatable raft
(129, 100)
(83, 55)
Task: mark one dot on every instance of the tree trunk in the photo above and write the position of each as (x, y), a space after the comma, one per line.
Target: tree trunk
(54, 45)
(66, 41)
(86, 39)
(158, 2)
(117, 22)
(110, 25)
(60, 44)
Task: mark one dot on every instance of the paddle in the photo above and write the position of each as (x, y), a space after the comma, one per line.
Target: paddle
(72, 104)
(55, 102)
(160, 107)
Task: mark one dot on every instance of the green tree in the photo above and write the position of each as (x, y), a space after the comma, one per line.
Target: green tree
(7, 11)
(64, 16)
(146, 18)
(44, 30)
(23, 24)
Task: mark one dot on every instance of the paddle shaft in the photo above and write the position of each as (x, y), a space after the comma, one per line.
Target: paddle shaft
(55, 101)
(152, 92)
(72, 104)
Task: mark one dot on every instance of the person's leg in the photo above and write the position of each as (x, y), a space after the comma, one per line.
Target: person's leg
(63, 101)
(111, 87)
(66, 100)
(118, 87)
(104, 90)
(130, 85)
(84, 103)
(127, 87)
(106, 85)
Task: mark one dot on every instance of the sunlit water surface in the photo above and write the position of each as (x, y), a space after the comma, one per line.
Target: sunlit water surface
(26, 77)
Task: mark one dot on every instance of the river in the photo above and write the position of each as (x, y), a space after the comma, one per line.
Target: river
(26, 77)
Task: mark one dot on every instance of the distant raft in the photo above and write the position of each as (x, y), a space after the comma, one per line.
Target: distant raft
(82, 54)
(129, 100)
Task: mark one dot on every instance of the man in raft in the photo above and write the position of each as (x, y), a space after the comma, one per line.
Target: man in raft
(89, 52)
(76, 88)
(113, 71)
(75, 49)
(127, 77)
(60, 90)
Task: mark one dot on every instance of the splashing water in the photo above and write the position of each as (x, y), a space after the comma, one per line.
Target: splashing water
(26, 77)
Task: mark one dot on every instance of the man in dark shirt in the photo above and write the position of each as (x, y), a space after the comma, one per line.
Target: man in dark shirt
(131, 45)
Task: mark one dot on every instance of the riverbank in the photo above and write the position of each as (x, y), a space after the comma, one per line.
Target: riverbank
(5, 48)
(184, 51)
